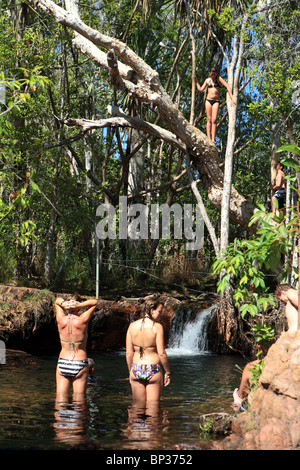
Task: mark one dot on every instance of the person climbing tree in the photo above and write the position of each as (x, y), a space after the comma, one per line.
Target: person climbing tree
(212, 102)
(279, 189)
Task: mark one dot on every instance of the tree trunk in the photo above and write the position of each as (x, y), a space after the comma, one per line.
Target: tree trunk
(227, 329)
(49, 249)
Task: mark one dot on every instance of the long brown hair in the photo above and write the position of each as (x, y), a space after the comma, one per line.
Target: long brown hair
(150, 304)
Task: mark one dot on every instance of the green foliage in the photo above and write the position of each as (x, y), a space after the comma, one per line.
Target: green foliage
(264, 336)
(8, 260)
(246, 262)
(256, 373)
(277, 30)
(206, 428)
(20, 88)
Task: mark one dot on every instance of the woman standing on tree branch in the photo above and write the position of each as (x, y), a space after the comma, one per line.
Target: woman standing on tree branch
(212, 102)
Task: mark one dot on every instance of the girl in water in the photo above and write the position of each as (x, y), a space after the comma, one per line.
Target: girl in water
(72, 319)
(146, 355)
(212, 102)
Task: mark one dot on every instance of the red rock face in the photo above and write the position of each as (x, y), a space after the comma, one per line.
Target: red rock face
(273, 421)
(110, 323)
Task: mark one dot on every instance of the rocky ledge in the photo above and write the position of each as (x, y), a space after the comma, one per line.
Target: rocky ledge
(273, 420)
(27, 318)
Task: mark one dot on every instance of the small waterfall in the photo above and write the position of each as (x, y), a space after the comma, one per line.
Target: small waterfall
(188, 333)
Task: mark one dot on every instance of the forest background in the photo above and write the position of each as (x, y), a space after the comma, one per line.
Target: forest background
(54, 175)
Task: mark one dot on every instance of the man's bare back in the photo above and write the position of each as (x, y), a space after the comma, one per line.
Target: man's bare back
(289, 296)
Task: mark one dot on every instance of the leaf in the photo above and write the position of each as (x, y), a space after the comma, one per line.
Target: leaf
(291, 162)
(289, 148)
(34, 186)
(282, 230)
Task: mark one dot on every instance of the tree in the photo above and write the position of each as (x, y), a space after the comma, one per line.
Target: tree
(129, 72)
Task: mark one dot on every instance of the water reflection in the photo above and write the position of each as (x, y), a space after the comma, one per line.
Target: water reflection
(145, 426)
(31, 418)
(70, 420)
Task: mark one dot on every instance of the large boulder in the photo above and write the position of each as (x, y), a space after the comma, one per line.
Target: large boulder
(27, 320)
(273, 420)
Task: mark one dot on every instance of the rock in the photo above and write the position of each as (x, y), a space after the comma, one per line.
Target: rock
(13, 358)
(27, 320)
(217, 423)
(273, 420)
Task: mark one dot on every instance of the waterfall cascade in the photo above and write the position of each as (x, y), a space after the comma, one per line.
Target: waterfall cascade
(188, 333)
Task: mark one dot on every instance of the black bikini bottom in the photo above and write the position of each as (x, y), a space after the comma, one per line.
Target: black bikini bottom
(212, 102)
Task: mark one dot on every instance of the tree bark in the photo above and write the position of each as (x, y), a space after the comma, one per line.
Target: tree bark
(233, 72)
(227, 329)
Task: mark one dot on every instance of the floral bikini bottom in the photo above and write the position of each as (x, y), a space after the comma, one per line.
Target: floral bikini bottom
(145, 371)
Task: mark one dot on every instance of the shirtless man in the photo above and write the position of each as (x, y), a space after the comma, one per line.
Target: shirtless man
(289, 296)
(278, 188)
(72, 367)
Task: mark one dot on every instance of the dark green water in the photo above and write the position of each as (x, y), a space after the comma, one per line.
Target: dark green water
(31, 419)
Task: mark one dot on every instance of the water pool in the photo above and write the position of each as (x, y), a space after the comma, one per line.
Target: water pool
(30, 418)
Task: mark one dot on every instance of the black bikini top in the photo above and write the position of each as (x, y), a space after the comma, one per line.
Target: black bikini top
(215, 85)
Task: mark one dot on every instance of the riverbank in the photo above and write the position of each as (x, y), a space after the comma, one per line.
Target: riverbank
(27, 318)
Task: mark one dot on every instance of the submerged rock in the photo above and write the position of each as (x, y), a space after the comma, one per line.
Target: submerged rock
(216, 423)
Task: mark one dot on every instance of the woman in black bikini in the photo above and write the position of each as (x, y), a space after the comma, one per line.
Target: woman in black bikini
(212, 103)
(145, 355)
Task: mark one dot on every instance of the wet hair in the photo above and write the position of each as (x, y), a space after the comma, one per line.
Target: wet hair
(151, 304)
(74, 297)
(282, 288)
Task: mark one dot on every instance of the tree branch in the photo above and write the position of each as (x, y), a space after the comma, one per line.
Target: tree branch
(122, 120)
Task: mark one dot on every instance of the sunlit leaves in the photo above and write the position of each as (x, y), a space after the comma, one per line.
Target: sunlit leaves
(246, 262)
